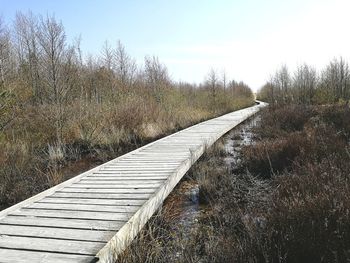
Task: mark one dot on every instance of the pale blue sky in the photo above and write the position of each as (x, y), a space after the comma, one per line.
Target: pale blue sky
(247, 38)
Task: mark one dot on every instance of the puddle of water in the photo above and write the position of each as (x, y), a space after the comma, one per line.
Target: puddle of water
(184, 204)
(80, 166)
(240, 136)
(182, 207)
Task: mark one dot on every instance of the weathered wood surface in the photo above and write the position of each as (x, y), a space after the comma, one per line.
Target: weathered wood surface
(96, 214)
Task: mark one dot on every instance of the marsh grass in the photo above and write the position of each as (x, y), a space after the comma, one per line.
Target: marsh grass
(288, 202)
(32, 159)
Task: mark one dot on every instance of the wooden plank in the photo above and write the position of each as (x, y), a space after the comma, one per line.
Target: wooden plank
(145, 165)
(126, 174)
(103, 196)
(198, 137)
(112, 185)
(150, 162)
(51, 245)
(140, 168)
(165, 151)
(62, 223)
(112, 191)
(136, 164)
(149, 153)
(175, 147)
(142, 165)
(184, 138)
(124, 177)
(143, 168)
(130, 160)
(68, 214)
(149, 159)
(86, 207)
(161, 176)
(25, 256)
(115, 179)
(56, 233)
(155, 152)
(122, 182)
(135, 169)
(117, 186)
(138, 157)
(91, 201)
(133, 172)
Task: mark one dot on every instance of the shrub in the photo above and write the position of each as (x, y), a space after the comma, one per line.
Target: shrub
(280, 121)
(309, 217)
(339, 117)
(271, 156)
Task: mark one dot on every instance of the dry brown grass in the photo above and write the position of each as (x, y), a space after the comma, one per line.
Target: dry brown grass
(298, 213)
(32, 160)
(271, 156)
(306, 218)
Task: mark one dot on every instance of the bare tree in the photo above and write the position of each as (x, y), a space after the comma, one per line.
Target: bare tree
(266, 93)
(5, 54)
(224, 79)
(92, 91)
(55, 58)
(336, 77)
(12, 97)
(304, 83)
(107, 72)
(240, 89)
(281, 82)
(156, 75)
(108, 56)
(7, 98)
(26, 27)
(52, 40)
(80, 70)
(213, 83)
(125, 66)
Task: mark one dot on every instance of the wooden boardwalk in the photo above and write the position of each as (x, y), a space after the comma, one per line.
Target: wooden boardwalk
(95, 215)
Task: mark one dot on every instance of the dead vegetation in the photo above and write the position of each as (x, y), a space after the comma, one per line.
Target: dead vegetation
(58, 106)
(288, 202)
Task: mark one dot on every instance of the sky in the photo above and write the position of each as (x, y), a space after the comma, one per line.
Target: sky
(247, 39)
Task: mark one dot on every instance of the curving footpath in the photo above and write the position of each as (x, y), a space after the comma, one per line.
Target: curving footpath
(95, 215)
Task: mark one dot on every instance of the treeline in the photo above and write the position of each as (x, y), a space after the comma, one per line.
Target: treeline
(58, 105)
(307, 86)
(39, 67)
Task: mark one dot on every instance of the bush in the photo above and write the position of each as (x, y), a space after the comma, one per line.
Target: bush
(306, 219)
(280, 121)
(300, 215)
(309, 217)
(338, 116)
(271, 156)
